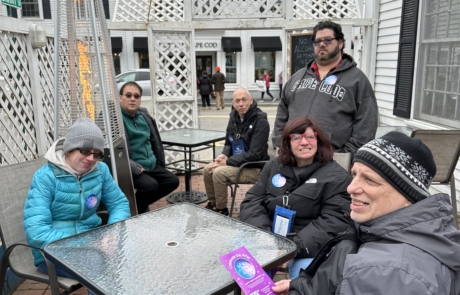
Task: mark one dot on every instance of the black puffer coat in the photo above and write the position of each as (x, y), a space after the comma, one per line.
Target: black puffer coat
(318, 194)
(205, 85)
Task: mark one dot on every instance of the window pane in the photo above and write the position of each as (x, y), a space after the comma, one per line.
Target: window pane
(443, 55)
(230, 67)
(264, 61)
(432, 54)
(441, 29)
(430, 26)
(441, 79)
(438, 104)
(451, 102)
(429, 78)
(30, 8)
(427, 102)
(454, 25)
(143, 76)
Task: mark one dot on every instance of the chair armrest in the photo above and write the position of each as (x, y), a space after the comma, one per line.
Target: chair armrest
(237, 176)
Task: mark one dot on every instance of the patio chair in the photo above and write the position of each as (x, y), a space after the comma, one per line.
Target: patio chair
(445, 146)
(382, 130)
(235, 185)
(344, 160)
(15, 181)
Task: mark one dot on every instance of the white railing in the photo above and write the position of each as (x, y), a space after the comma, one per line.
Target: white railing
(186, 10)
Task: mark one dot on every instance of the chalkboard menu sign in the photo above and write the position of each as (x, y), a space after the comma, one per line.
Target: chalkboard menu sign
(301, 51)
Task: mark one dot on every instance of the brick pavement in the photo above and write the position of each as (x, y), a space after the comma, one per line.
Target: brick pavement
(35, 288)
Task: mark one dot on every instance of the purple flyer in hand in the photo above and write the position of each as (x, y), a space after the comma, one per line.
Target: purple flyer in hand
(247, 272)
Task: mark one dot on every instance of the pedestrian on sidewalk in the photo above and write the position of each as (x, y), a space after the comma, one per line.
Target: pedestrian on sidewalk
(205, 86)
(218, 79)
(266, 78)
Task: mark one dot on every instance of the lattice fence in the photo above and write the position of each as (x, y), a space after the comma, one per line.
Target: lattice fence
(313, 9)
(175, 93)
(237, 9)
(148, 10)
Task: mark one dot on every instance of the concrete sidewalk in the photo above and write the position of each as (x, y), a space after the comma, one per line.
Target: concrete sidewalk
(35, 288)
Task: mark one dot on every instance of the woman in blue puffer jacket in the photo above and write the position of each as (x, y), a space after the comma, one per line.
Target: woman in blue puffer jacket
(65, 193)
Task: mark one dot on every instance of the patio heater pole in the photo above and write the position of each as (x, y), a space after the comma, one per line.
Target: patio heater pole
(102, 88)
(57, 17)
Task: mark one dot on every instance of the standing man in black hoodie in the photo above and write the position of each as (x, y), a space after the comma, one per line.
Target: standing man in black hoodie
(333, 91)
(246, 141)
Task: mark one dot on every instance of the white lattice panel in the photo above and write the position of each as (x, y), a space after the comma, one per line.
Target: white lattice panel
(173, 65)
(17, 129)
(149, 10)
(46, 71)
(313, 9)
(237, 9)
(175, 115)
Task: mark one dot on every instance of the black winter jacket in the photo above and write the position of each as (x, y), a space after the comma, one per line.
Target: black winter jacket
(254, 131)
(155, 141)
(317, 193)
(324, 273)
(205, 85)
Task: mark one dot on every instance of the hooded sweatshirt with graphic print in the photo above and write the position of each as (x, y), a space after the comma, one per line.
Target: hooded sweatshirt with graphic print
(343, 104)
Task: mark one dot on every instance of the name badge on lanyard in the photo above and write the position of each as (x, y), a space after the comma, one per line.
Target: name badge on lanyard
(237, 144)
(284, 217)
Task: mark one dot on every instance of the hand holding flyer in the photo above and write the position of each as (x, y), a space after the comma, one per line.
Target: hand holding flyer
(247, 272)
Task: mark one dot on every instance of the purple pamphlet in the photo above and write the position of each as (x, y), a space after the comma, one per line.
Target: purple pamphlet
(247, 272)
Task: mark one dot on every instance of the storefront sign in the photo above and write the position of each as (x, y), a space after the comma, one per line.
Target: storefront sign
(207, 45)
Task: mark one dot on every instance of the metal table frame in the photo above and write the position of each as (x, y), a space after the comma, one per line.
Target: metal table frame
(187, 149)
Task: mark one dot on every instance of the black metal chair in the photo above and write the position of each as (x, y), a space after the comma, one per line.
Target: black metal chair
(235, 185)
(15, 181)
(445, 146)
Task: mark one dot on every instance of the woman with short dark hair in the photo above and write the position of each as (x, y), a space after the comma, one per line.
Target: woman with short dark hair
(303, 189)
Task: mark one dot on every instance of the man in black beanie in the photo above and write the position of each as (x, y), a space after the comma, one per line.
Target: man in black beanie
(404, 240)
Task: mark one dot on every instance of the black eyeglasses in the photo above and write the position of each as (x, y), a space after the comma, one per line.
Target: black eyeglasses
(136, 96)
(87, 153)
(327, 41)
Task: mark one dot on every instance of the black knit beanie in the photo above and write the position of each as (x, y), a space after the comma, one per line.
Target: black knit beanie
(406, 163)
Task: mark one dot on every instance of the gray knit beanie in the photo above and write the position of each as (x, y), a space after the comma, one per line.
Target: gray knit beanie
(84, 134)
(406, 163)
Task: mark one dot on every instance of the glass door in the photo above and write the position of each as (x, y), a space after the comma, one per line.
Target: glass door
(204, 63)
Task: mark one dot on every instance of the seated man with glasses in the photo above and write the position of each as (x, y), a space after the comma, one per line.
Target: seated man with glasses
(147, 160)
(332, 91)
(246, 141)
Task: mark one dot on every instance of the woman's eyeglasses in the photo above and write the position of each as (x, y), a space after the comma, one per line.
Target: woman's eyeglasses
(297, 137)
(327, 42)
(87, 153)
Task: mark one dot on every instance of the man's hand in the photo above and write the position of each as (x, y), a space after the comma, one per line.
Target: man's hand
(282, 287)
(142, 170)
(220, 160)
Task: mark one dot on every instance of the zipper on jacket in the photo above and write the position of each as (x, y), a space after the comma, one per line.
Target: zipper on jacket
(82, 206)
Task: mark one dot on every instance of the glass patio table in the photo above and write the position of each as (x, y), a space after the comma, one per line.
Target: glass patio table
(189, 141)
(172, 250)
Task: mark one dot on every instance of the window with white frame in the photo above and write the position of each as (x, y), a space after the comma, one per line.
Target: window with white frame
(230, 67)
(30, 8)
(437, 96)
(264, 61)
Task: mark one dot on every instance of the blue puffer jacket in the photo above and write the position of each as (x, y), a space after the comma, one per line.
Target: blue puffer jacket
(59, 205)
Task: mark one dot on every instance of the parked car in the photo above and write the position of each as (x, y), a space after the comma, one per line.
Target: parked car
(142, 77)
